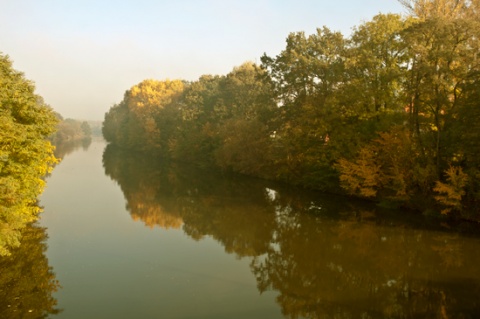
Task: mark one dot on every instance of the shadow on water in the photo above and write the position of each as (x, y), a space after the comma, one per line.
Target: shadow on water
(27, 282)
(326, 256)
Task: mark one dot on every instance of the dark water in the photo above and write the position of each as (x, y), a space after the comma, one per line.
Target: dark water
(131, 237)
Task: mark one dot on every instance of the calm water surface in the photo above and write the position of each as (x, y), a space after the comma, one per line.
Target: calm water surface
(129, 237)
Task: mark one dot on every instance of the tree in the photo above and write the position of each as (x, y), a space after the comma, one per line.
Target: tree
(450, 194)
(244, 135)
(69, 130)
(384, 169)
(86, 129)
(25, 154)
(201, 109)
(442, 57)
(133, 122)
(306, 77)
(374, 63)
(426, 9)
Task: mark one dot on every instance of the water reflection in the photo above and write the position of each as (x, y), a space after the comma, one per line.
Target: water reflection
(65, 148)
(326, 257)
(27, 282)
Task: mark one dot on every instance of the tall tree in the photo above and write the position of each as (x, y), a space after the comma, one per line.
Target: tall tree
(25, 154)
(201, 110)
(443, 46)
(306, 77)
(375, 59)
(245, 141)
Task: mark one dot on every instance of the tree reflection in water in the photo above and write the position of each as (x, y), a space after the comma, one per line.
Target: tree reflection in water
(27, 282)
(325, 256)
(65, 148)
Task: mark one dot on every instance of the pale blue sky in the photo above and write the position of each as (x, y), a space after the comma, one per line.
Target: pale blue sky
(83, 54)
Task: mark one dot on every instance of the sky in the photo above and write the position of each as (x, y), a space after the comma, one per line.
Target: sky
(83, 55)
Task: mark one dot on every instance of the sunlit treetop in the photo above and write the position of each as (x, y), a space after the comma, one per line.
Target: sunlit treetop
(149, 93)
(424, 9)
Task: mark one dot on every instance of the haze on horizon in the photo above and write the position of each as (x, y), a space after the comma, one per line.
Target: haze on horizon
(83, 55)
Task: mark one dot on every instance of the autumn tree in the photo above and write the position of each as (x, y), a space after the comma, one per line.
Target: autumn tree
(385, 169)
(427, 9)
(200, 111)
(245, 134)
(25, 154)
(306, 77)
(375, 61)
(133, 122)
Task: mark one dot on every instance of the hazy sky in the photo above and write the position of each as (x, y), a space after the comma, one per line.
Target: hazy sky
(83, 54)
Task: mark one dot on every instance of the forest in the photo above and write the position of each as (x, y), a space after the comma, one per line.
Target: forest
(390, 113)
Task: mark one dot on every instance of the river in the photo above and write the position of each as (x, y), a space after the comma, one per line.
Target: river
(134, 237)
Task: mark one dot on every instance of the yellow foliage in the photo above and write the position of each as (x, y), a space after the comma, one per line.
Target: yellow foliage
(153, 93)
(450, 193)
(25, 154)
(382, 168)
(362, 176)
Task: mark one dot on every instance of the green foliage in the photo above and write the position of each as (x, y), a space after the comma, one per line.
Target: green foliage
(25, 154)
(244, 147)
(380, 114)
(374, 62)
(201, 110)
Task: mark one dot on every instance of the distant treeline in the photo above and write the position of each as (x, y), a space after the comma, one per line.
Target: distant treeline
(69, 130)
(391, 113)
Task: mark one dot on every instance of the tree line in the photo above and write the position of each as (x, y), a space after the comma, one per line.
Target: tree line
(390, 113)
(70, 130)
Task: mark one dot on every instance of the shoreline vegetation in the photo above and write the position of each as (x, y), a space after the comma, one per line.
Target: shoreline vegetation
(26, 155)
(389, 114)
(30, 132)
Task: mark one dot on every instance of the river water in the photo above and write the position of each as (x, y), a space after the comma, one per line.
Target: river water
(134, 237)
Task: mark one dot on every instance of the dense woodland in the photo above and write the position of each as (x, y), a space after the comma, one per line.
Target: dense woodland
(390, 113)
(26, 155)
